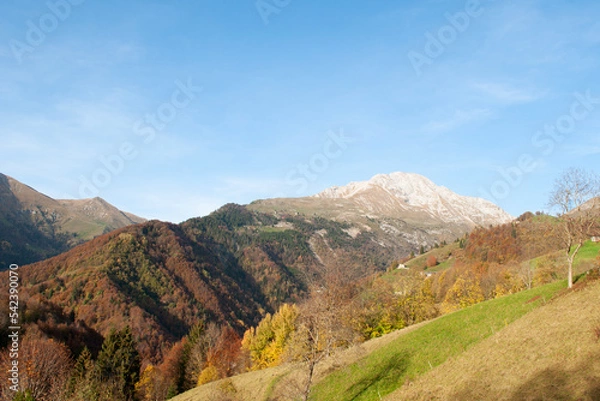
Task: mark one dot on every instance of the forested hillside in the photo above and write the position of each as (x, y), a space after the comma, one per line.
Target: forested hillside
(162, 280)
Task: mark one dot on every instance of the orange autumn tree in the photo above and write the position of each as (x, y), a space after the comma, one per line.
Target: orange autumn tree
(44, 367)
(432, 261)
(222, 359)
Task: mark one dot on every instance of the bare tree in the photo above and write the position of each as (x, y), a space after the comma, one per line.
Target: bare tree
(526, 272)
(575, 196)
(321, 327)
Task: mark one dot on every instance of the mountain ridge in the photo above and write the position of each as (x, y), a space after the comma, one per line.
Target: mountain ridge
(34, 226)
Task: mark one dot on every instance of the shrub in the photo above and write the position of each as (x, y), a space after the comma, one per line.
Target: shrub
(209, 374)
(432, 261)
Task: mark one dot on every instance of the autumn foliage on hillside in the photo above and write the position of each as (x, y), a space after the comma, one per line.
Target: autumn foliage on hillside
(490, 262)
(225, 272)
(149, 277)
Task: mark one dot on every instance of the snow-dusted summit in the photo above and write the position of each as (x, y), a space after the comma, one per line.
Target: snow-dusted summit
(399, 193)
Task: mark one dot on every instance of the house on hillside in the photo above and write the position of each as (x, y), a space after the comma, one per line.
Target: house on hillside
(595, 239)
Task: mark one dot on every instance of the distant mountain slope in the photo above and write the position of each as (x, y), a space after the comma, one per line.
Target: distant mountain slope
(402, 208)
(34, 226)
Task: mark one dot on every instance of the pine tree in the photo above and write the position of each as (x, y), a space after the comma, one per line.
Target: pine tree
(119, 361)
(83, 367)
(83, 383)
(23, 396)
(188, 375)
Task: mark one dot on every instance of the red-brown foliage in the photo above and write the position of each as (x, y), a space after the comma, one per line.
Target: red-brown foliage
(44, 368)
(225, 355)
(432, 261)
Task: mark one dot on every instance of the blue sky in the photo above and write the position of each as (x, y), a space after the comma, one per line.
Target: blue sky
(169, 109)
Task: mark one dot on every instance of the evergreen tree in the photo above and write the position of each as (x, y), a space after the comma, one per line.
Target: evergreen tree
(119, 361)
(23, 396)
(184, 382)
(83, 368)
(84, 382)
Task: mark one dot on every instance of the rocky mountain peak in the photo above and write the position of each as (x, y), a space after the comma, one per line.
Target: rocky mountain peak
(397, 193)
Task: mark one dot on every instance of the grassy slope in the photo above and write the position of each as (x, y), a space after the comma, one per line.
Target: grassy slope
(255, 385)
(586, 256)
(417, 352)
(553, 354)
(407, 353)
(442, 254)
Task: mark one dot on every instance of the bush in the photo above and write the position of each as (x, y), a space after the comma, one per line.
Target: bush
(209, 374)
(432, 261)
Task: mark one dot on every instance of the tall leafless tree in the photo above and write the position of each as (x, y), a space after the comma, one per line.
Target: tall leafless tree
(321, 327)
(575, 195)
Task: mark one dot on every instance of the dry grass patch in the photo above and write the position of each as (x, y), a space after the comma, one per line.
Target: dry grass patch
(548, 354)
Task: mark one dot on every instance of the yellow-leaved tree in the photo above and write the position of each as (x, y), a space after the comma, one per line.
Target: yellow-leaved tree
(464, 292)
(267, 342)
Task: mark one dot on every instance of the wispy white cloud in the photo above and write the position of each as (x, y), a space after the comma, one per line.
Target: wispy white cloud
(595, 150)
(94, 117)
(508, 94)
(458, 119)
(584, 150)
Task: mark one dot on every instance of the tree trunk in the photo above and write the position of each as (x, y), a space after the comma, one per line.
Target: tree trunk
(570, 279)
(571, 260)
(311, 369)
